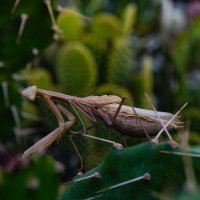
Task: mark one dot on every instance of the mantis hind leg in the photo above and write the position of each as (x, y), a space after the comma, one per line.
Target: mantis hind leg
(75, 147)
(77, 151)
(139, 120)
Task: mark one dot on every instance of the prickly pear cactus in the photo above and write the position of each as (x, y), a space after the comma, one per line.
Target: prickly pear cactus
(106, 26)
(27, 179)
(21, 37)
(70, 24)
(147, 74)
(193, 196)
(128, 18)
(146, 79)
(156, 172)
(76, 69)
(120, 62)
(39, 77)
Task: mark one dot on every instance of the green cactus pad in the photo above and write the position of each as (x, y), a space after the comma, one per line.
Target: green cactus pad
(106, 26)
(70, 24)
(190, 196)
(30, 180)
(166, 171)
(147, 74)
(120, 63)
(76, 69)
(146, 79)
(128, 18)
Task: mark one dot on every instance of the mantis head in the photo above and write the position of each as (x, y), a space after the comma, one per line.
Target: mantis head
(29, 92)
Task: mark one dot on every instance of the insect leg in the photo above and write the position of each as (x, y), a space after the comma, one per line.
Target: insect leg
(118, 110)
(71, 118)
(77, 151)
(161, 121)
(83, 132)
(168, 123)
(63, 126)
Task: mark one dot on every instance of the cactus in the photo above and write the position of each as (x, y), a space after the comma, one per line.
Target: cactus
(104, 44)
(147, 74)
(99, 50)
(27, 179)
(38, 76)
(120, 63)
(76, 69)
(17, 50)
(106, 26)
(146, 78)
(191, 196)
(180, 54)
(166, 171)
(128, 18)
(70, 24)
(143, 81)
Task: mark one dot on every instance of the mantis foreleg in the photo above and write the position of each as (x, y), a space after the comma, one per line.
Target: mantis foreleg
(58, 132)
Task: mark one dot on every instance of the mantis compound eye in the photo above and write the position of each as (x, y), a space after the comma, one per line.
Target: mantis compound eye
(29, 92)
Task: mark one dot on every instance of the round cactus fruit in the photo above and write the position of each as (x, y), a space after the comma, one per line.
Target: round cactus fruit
(106, 26)
(70, 24)
(76, 69)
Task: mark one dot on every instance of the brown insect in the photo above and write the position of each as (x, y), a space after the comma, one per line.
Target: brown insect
(125, 119)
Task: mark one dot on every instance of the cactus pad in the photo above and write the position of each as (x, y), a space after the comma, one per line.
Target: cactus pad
(120, 63)
(106, 26)
(166, 171)
(70, 24)
(76, 69)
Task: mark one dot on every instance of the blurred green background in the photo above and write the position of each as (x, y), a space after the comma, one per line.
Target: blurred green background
(94, 47)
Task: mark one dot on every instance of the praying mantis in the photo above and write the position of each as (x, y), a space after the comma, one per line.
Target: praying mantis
(125, 119)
